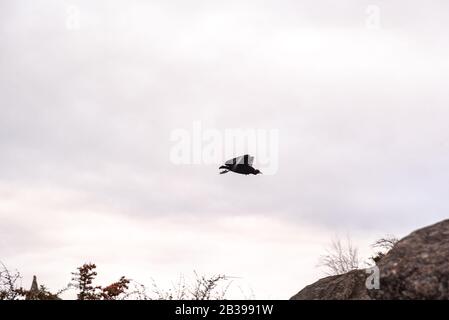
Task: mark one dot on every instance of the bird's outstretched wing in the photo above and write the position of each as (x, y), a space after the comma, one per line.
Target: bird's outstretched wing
(245, 159)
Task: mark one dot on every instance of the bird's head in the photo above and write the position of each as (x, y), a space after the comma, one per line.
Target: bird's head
(257, 172)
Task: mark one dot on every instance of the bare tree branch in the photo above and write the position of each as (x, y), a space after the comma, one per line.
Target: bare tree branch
(340, 257)
(383, 245)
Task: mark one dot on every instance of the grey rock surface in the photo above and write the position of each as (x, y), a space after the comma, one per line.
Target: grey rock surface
(416, 268)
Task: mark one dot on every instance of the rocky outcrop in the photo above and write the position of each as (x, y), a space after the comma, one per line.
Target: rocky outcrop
(348, 286)
(416, 268)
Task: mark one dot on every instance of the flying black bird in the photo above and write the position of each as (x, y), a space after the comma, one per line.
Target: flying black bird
(242, 165)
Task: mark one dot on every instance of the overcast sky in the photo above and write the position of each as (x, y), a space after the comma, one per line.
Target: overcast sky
(90, 94)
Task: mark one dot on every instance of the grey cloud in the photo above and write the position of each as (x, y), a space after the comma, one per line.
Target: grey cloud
(362, 114)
